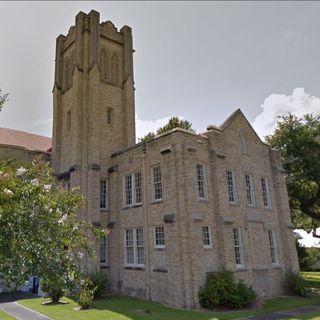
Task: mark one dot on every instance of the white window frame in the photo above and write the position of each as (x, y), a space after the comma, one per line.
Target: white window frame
(202, 181)
(273, 247)
(154, 183)
(133, 191)
(103, 241)
(249, 190)
(104, 194)
(135, 246)
(158, 238)
(232, 188)
(265, 192)
(206, 235)
(238, 247)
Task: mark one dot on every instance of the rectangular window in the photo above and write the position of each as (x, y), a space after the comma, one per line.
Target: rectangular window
(231, 183)
(273, 247)
(68, 119)
(202, 182)
(109, 116)
(159, 237)
(134, 247)
(132, 189)
(265, 193)
(238, 247)
(249, 190)
(103, 195)
(103, 250)
(206, 237)
(156, 183)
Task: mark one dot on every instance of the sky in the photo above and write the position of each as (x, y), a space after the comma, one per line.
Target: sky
(196, 60)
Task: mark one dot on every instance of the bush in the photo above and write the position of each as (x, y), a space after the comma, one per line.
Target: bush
(53, 287)
(221, 289)
(297, 285)
(99, 283)
(86, 294)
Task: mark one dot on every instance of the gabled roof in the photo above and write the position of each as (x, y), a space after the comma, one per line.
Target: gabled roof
(26, 140)
(231, 118)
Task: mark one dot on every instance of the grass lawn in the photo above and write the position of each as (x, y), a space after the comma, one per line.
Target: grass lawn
(5, 316)
(126, 308)
(312, 278)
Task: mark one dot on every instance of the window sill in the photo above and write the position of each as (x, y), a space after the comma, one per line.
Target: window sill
(159, 248)
(133, 206)
(233, 204)
(241, 269)
(203, 200)
(104, 210)
(134, 268)
(163, 270)
(156, 202)
(207, 247)
(104, 266)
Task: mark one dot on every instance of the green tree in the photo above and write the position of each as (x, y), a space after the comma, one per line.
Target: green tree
(148, 137)
(298, 141)
(3, 98)
(175, 122)
(40, 233)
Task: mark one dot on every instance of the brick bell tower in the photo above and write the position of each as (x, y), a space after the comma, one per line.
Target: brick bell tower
(93, 106)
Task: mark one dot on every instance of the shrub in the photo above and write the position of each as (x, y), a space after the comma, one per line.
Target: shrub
(99, 283)
(53, 287)
(221, 289)
(297, 285)
(86, 294)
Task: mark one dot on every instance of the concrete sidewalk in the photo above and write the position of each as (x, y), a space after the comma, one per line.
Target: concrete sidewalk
(20, 312)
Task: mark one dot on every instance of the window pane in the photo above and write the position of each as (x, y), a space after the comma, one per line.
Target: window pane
(159, 236)
(103, 249)
(128, 190)
(206, 236)
(138, 190)
(201, 180)
(157, 184)
(103, 194)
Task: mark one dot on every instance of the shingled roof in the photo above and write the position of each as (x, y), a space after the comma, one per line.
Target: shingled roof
(26, 140)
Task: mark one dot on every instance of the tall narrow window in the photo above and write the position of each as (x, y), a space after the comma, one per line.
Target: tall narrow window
(156, 183)
(134, 247)
(243, 142)
(68, 119)
(103, 63)
(273, 247)
(202, 182)
(265, 193)
(249, 190)
(132, 189)
(103, 194)
(129, 246)
(103, 250)
(128, 190)
(206, 237)
(66, 74)
(109, 115)
(114, 65)
(238, 247)
(231, 183)
(159, 237)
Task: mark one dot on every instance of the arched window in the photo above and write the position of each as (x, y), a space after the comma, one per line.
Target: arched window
(103, 63)
(243, 142)
(114, 65)
(66, 67)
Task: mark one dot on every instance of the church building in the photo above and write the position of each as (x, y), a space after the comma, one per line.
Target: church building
(178, 207)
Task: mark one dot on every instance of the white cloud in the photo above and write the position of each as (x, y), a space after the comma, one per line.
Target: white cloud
(307, 239)
(276, 105)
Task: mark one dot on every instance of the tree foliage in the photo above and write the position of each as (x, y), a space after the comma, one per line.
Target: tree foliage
(298, 141)
(174, 122)
(40, 233)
